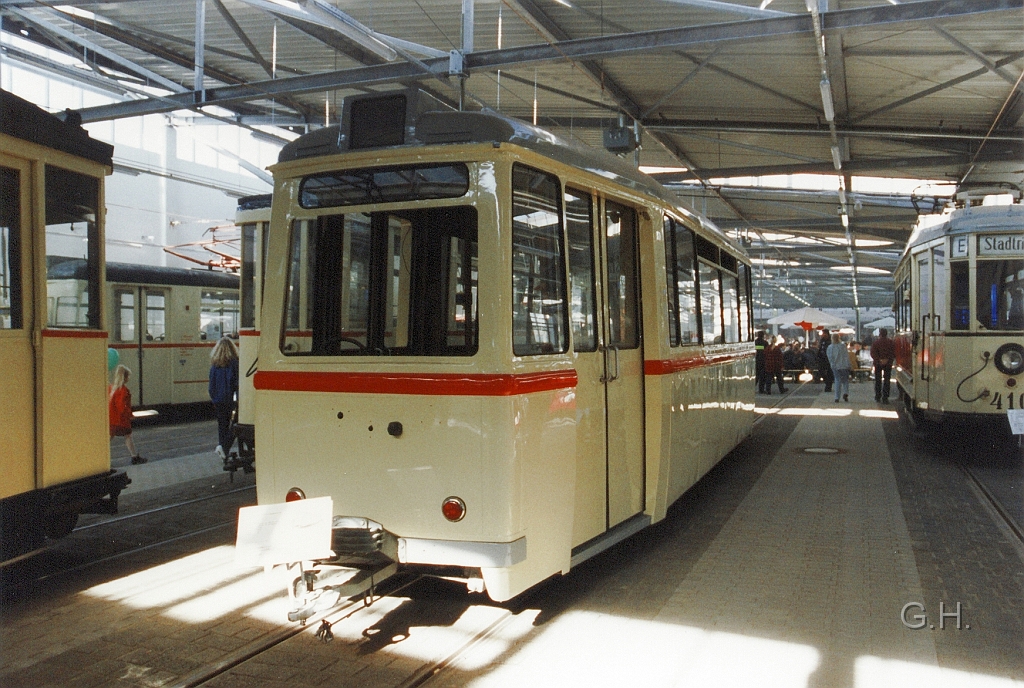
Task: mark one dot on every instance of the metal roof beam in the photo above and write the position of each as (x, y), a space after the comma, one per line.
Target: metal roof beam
(326, 16)
(731, 8)
(242, 36)
(1007, 153)
(934, 89)
(806, 129)
(637, 43)
(99, 50)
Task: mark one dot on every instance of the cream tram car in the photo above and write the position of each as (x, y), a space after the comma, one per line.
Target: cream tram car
(960, 315)
(497, 352)
(163, 322)
(55, 449)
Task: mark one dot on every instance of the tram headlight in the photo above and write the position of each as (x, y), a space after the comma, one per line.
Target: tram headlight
(454, 509)
(1009, 359)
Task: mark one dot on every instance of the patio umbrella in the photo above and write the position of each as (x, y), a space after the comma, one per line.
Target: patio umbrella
(808, 319)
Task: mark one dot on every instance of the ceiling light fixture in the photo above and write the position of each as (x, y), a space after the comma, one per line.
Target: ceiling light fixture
(826, 99)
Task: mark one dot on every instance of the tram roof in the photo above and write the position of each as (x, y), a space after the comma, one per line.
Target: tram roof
(147, 274)
(439, 127)
(992, 218)
(23, 120)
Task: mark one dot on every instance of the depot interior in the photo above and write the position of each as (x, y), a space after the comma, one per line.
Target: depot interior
(816, 134)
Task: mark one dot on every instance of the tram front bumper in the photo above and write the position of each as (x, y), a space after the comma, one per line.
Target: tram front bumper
(360, 542)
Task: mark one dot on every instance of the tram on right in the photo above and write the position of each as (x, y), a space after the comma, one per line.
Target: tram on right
(959, 309)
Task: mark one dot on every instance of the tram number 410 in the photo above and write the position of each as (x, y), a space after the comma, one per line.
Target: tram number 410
(1012, 402)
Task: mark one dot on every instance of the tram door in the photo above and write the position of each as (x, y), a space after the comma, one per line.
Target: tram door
(17, 386)
(932, 302)
(140, 320)
(125, 336)
(607, 346)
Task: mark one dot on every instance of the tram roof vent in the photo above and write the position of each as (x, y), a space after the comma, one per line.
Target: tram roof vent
(369, 120)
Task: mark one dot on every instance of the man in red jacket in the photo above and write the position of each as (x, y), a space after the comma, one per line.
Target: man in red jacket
(883, 351)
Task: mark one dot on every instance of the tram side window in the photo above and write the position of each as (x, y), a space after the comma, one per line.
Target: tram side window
(623, 285)
(10, 249)
(400, 283)
(247, 282)
(746, 333)
(124, 316)
(960, 295)
(72, 236)
(731, 307)
(539, 313)
(711, 304)
(156, 317)
(579, 226)
(1000, 301)
(681, 282)
(218, 315)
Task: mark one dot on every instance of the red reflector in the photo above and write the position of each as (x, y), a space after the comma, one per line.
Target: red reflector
(294, 495)
(454, 509)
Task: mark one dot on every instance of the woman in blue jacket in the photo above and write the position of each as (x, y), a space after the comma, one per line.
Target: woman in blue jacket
(223, 389)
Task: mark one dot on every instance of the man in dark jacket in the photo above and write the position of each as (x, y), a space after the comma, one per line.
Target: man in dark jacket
(824, 369)
(883, 351)
(763, 383)
(773, 366)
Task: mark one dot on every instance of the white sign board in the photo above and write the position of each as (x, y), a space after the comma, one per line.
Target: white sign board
(1000, 244)
(284, 533)
(959, 247)
(1016, 417)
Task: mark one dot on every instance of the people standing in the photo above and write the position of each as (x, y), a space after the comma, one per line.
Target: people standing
(119, 405)
(223, 388)
(839, 360)
(773, 363)
(824, 369)
(883, 351)
(763, 383)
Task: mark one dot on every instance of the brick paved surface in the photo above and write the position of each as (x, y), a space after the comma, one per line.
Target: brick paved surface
(779, 568)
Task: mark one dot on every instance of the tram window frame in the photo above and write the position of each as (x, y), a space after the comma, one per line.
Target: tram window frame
(538, 265)
(218, 306)
(125, 327)
(437, 257)
(247, 278)
(11, 317)
(711, 304)
(1000, 294)
(582, 269)
(377, 185)
(746, 326)
(730, 316)
(622, 261)
(73, 198)
(680, 257)
(959, 295)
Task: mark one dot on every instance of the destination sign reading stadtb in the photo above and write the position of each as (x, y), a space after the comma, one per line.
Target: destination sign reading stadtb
(1000, 244)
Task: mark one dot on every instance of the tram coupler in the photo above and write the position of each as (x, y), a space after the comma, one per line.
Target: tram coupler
(315, 592)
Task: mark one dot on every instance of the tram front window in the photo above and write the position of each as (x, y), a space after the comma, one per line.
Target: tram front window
(1000, 304)
(388, 283)
(72, 249)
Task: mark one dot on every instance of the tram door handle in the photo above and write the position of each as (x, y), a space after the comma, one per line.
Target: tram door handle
(606, 377)
(924, 350)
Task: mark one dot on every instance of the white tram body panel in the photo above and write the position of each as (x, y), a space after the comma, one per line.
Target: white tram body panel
(555, 445)
(960, 315)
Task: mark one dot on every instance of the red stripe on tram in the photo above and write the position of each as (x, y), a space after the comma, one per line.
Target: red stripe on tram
(76, 334)
(678, 365)
(428, 384)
